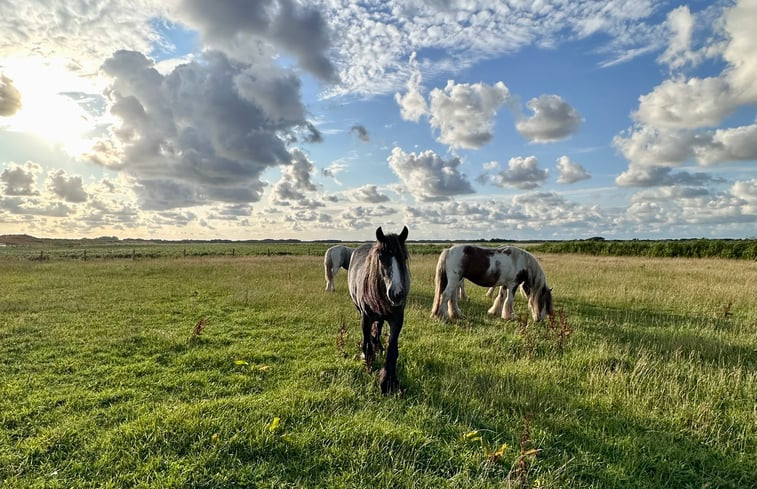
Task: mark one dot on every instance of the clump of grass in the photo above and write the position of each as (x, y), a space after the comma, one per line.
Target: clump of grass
(727, 310)
(522, 465)
(199, 329)
(341, 338)
(561, 327)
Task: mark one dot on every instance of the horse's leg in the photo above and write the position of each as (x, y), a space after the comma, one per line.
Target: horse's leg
(388, 374)
(499, 299)
(490, 291)
(449, 298)
(329, 282)
(378, 347)
(507, 312)
(435, 306)
(462, 295)
(368, 354)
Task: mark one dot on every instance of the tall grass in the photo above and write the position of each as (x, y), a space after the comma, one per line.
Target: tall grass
(172, 372)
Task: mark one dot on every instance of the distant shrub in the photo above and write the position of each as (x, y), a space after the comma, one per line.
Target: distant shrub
(745, 249)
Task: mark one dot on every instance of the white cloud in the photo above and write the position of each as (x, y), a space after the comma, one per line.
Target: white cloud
(652, 152)
(553, 119)
(20, 179)
(522, 173)
(464, 113)
(461, 34)
(68, 188)
(651, 176)
(429, 177)
(413, 104)
(237, 27)
(569, 171)
(677, 208)
(334, 169)
(198, 135)
(369, 194)
(66, 30)
(689, 103)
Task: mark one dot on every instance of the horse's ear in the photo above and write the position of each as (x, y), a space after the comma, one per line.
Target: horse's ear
(403, 234)
(380, 234)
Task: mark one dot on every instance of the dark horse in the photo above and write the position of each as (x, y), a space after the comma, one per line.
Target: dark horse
(379, 282)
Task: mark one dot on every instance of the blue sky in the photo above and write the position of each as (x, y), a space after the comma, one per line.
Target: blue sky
(326, 119)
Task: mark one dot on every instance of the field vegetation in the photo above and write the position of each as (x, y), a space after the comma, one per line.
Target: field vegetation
(238, 370)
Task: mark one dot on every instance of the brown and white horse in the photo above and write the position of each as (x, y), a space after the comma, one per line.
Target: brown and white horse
(379, 283)
(506, 266)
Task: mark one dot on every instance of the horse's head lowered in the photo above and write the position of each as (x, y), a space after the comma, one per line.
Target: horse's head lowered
(391, 253)
(540, 302)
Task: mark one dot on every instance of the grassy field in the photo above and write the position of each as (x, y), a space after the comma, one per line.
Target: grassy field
(239, 371)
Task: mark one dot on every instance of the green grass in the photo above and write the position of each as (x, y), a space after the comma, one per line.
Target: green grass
(104, 384)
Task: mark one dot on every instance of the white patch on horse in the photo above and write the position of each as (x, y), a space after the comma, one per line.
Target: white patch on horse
(396, 275)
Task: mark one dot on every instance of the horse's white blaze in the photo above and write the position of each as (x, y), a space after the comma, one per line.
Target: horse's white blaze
(396, 276)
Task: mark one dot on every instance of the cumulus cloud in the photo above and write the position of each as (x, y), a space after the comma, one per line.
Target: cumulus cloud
(464, 113)
(412, 104)
(700, 102)
(679, 52)
(666, 209)
(651, 152)
(295, 181)
(20, 179)
(652, 176)
(569, 171)
(522, 173)
(334, 169)
(68, 188)
(553, 119)
(368, 217)
(368, 193)
(202, 133)
(521, 216)
(362, 132)
(429, 177)
(290, 26)
(10, 97)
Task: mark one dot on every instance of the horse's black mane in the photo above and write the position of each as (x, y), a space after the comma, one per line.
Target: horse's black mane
(374, 290)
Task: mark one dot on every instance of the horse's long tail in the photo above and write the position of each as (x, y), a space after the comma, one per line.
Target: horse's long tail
(440, 282)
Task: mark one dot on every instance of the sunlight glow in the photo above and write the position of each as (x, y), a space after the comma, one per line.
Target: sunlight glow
(46, 110)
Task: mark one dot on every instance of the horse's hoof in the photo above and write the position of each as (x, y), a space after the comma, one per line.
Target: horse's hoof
(389, 384)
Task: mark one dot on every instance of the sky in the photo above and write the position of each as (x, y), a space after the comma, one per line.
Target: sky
(461, 119)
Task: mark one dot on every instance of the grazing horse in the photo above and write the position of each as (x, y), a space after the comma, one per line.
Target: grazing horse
(506, 266)
(379, 282)
(335, 258)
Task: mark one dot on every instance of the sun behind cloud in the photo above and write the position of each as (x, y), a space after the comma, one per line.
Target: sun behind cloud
(48, 110)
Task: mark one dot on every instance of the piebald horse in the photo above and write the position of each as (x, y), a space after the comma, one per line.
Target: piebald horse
(506, 266)
(379, 283)
(335, 258)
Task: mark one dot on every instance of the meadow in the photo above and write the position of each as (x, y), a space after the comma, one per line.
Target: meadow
(238, 370)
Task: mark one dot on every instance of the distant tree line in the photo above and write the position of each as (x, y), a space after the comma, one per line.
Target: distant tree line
(741, 249)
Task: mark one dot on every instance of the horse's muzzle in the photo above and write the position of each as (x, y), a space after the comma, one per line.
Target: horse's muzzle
(396, 299)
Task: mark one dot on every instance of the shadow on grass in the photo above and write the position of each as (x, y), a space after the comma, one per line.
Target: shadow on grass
(603, 445)
(665, 334)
